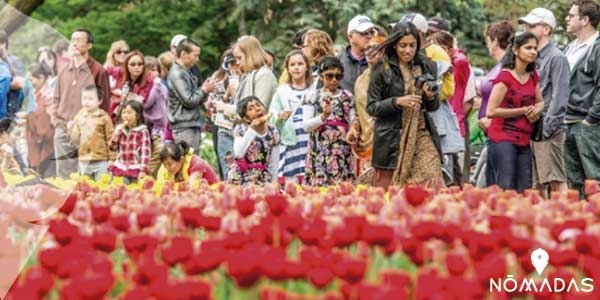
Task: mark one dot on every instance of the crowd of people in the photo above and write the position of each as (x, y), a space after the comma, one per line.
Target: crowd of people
(399, 105)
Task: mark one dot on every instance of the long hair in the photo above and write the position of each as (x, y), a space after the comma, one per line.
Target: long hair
(400, 30)
(318, 44)
(110, 56)
(509, 60)
(139, 111)
(166, 60)
(141, 80)
(254, 55)
(308, 74)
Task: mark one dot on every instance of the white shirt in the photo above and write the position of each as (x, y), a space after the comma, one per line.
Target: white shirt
(577, 50)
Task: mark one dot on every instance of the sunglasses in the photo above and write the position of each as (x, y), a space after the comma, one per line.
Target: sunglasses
(330, 76)
(139, 64)
(123, 52)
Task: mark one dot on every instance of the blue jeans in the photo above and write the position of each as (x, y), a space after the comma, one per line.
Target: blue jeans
(510, 166)
(224, 146)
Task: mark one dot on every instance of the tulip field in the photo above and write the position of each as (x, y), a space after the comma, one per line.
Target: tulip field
(226, 242)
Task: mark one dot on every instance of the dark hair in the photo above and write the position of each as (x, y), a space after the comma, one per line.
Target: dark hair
(186, 45)
(298, 39)
(39, 70)
(509, 59)
(139, 110)
(330, 62)
(308, 76)
(590, 9)
(241, 106)
(141, 81)
(400, 30)
(151, 62)
(92, 87)
(443, 38)
(60, 46)
(502, 31)
(5, 125)
(90, 37)
(50, 53)
(3, 37)
(175, 151)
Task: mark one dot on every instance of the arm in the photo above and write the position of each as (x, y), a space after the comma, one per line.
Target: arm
(593, 117)
(103, 83)
(4, 88)
(241, 143)
(557, 104)
(495, 111)
(115, 139)
(191, 97)
(146, 152)
(377, 106)
(75, 131)
(155, 94)
(274, 162)
(108, 131)
(309, 121)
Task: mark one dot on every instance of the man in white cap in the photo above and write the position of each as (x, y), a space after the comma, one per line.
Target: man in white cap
(553, 68)
(444, 118)
(360, 30)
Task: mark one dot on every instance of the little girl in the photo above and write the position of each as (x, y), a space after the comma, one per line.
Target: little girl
(255, 145)
(327, 115)
(286, 108)
(131, 140)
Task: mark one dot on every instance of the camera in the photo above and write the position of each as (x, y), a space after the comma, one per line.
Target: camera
(430, 80)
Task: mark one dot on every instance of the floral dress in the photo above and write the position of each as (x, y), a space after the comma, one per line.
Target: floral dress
(329, 160)
(254, 166)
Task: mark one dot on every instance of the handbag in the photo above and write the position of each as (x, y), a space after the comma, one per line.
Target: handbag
(537, 134)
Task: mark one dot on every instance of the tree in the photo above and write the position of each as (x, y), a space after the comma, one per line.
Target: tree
(14, 13)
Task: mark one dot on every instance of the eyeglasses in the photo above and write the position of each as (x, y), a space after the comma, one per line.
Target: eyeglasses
(134, 64)
(331, 76)
(122, 52)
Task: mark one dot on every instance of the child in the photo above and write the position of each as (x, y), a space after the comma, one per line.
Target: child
(180, 164)
(131, 140)
(255, 145)
(327, 115)
(91, 131)
(286, 108)
(11, 161)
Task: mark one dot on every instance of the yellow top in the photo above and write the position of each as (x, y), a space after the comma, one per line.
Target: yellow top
(438, 54)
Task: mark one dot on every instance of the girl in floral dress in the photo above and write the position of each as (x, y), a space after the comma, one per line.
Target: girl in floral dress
(255, 145)
(326, 115)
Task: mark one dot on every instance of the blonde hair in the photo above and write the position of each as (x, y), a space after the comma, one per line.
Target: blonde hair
(254, 54)
(116, 46)
(318, 44)
(165, 60)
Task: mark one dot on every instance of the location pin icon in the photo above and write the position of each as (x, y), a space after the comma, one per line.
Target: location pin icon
(539, 259)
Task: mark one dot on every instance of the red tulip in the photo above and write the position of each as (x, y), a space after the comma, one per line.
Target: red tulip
(245, 206)
(416, 195)
(587, 244)
(377, 234)
(590, 187)
(39, 280)
(50, 258)
(92, 285)
(204, 262)
(557, 229)
(120, 223)
(146, 218)
(137, 293)
(149, 272)
(191, 216)
(104, 239)
(100, 213)
(70, 202)
(320, 277)
(311, 232)
(243, 266)
(210, 223)
(277, 203)
(350, 270)
(64, 232)
(179, 250)
(135, 245)
(456, 264)
(295, 270)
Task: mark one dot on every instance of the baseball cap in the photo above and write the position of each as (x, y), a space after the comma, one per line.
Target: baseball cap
(438, 24)
(177, 39)
(360, 24)
(418, 20)
(539, 15)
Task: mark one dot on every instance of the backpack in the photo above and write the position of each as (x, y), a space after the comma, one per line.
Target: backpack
(14, 102)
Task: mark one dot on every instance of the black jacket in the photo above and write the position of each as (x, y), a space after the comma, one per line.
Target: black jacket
(387, 84)
(584, 95)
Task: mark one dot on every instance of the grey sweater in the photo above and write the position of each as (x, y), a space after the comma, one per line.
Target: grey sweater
(584, 93)
(260, 83)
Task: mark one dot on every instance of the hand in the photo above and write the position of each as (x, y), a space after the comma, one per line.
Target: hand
(70, 124)
(532, 114)
(209, 86)
(284, 115)
(484, 123)
(21, 114)
(326, 111)
(353, 135)
(17, 83)
(586, 123)
(260, 124)
(427, 91)
(157, 80)
(409, 101)
(117, 92)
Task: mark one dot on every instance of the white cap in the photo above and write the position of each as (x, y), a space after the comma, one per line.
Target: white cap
(539, 16)
(418, 20)
(360, 24)
(177, 39)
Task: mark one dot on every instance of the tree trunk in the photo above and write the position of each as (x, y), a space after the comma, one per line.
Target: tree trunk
(15, 13)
